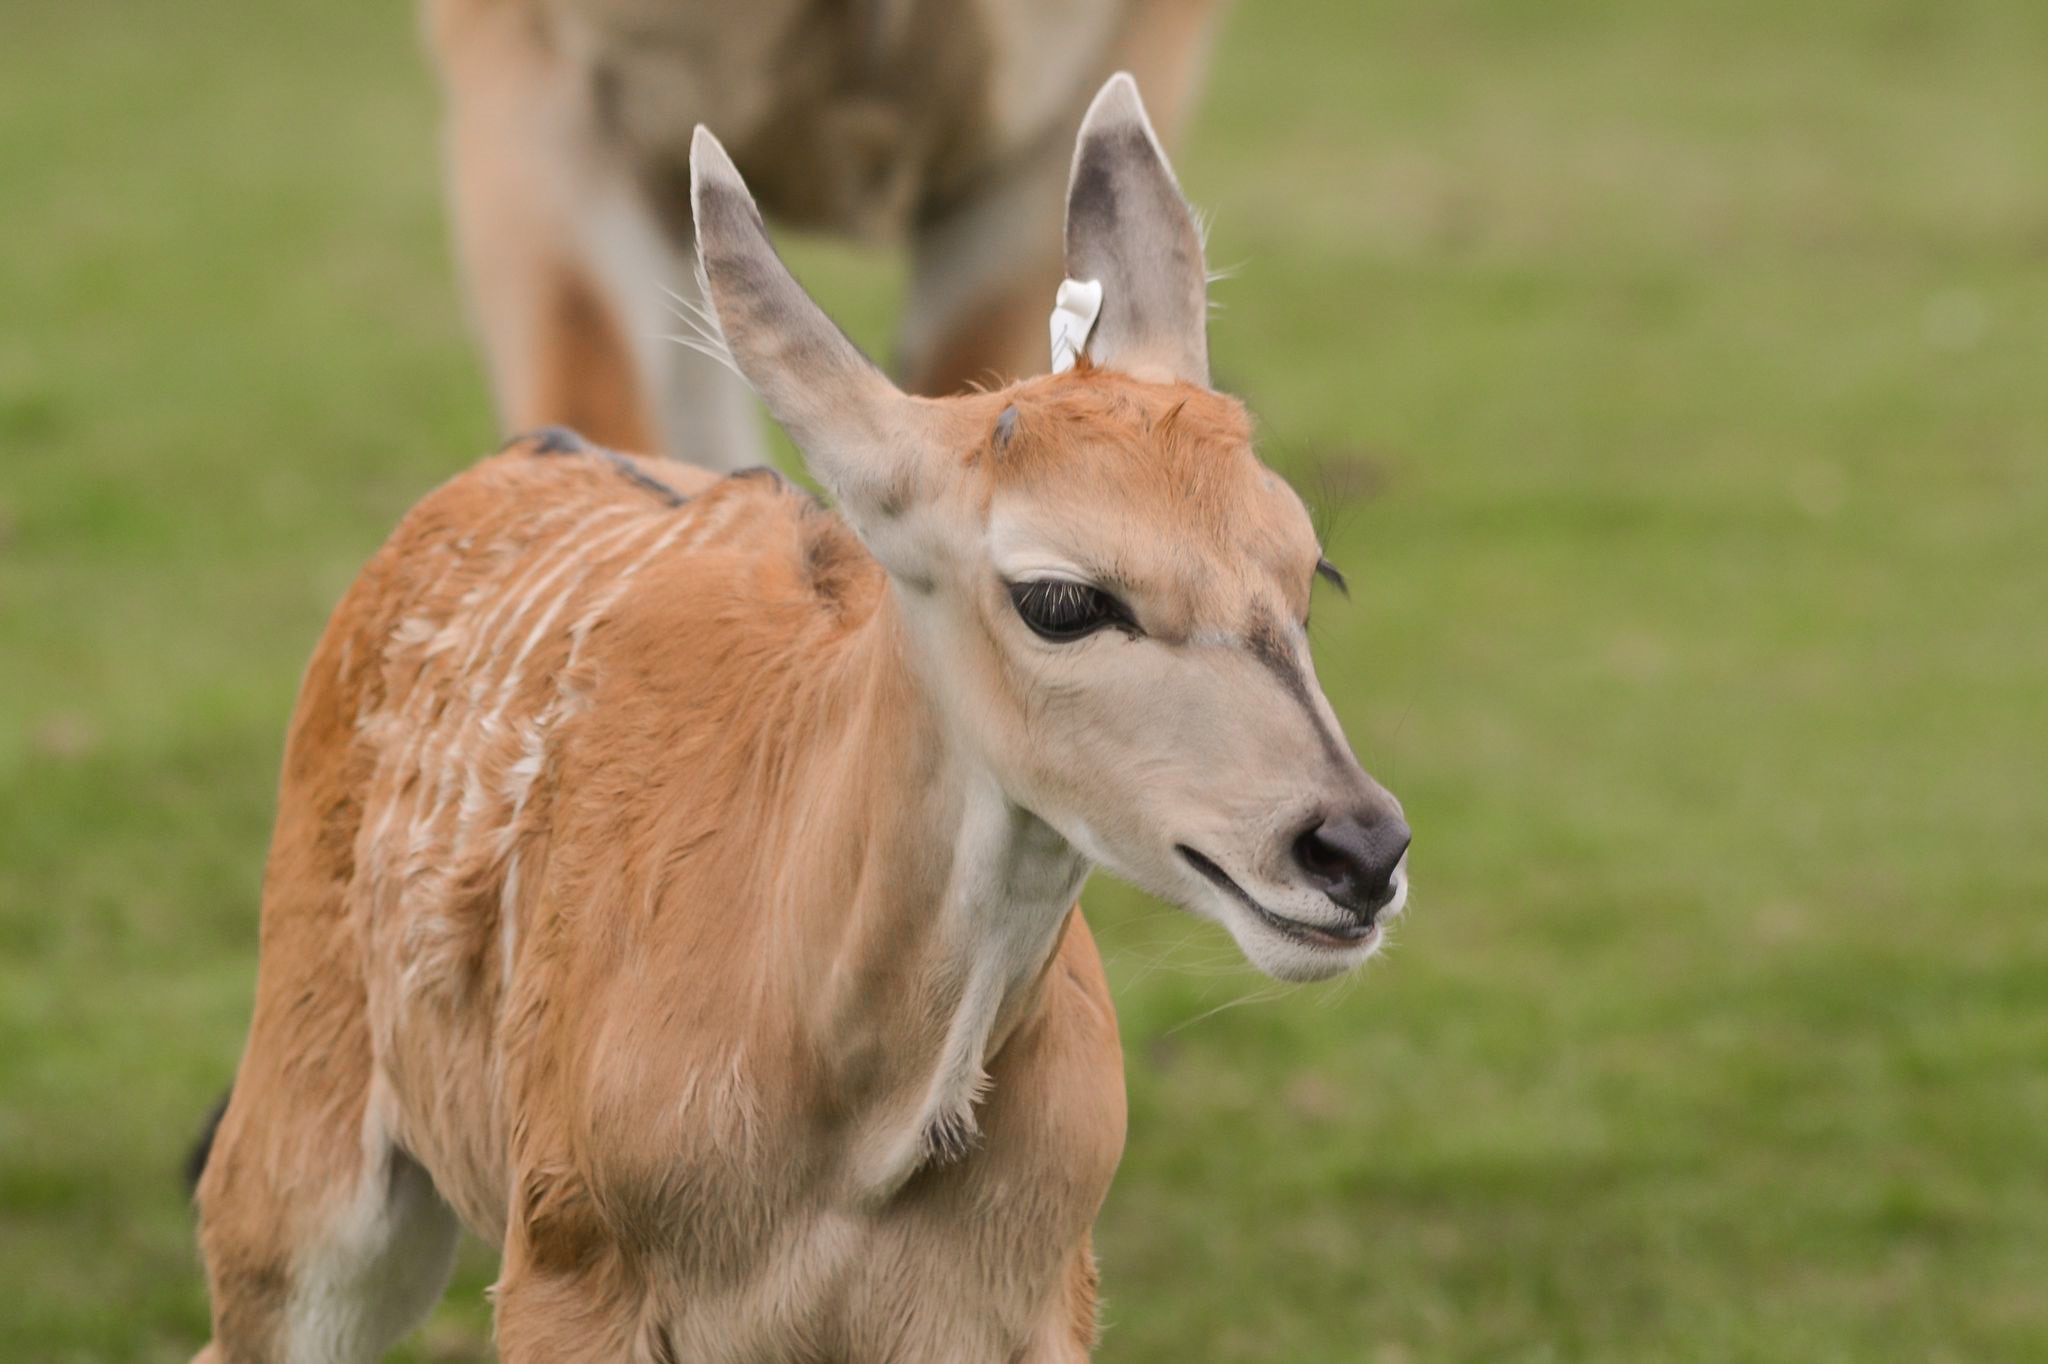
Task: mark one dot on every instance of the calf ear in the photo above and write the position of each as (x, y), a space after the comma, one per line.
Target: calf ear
(859, 434)
(1129, 229)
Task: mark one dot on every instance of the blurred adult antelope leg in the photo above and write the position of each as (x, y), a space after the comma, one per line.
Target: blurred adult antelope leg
(573, 281)
(982, 270)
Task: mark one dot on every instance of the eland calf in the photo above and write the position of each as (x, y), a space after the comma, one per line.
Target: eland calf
(674, 882)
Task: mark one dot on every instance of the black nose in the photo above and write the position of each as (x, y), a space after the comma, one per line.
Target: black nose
(1352, 860)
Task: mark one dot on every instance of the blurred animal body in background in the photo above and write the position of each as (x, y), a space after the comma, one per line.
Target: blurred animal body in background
(944, 125)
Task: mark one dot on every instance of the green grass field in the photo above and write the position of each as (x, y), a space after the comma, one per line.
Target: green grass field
(1683, 371)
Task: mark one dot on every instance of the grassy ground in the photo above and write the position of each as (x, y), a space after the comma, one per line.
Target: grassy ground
(1683, 365)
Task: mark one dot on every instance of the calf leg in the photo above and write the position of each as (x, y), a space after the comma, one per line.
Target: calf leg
(578, 1305)
(323, 1241)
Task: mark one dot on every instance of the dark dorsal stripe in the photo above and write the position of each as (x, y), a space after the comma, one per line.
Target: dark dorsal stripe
(560, 440)
(638, 476)
(551, 440)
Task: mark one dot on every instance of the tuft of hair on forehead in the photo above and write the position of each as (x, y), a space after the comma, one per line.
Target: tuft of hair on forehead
(1077, 422)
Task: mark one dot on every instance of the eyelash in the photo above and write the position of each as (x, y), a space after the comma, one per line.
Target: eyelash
(1063, 611)
(1329, 573)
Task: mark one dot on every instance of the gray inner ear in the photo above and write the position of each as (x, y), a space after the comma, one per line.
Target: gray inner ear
(787, 347)
(857, 432)
(1128, 227)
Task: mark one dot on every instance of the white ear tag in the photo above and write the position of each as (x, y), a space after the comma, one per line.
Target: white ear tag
(1073, 317)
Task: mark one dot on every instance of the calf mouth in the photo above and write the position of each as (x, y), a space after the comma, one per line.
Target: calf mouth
(1331, 937)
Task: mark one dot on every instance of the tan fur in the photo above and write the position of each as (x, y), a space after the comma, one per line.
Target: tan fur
(642, 1104)
(674, 882)
(939, 124)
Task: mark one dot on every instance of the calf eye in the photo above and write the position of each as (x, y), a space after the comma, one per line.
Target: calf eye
(1060, 610)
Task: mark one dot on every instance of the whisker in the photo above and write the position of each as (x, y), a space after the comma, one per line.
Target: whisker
(1257, 997)
(684, 306)
(718, 353)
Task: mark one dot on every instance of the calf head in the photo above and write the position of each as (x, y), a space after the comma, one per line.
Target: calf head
(1106, 591)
